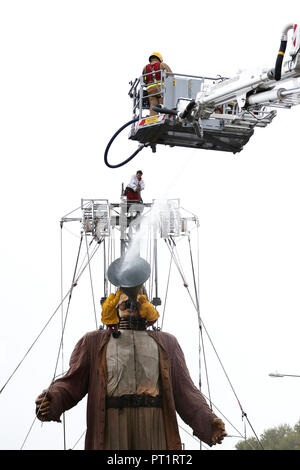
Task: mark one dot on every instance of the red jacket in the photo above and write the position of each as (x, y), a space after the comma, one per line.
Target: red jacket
(155, 76)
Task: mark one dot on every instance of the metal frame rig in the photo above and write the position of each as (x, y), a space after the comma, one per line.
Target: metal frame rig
(139, 227)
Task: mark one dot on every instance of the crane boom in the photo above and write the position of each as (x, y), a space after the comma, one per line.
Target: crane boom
(218, 113)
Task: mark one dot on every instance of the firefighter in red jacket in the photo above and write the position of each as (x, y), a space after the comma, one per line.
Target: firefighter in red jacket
(152, 77)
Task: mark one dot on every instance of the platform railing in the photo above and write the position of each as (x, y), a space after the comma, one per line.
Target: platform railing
(138, 90)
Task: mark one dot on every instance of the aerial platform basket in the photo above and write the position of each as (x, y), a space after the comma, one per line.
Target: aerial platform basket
(212, 113)
(225, 127)
(215, 133)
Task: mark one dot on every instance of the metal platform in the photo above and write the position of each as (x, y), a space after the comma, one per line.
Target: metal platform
(228, 130)
(215, 134)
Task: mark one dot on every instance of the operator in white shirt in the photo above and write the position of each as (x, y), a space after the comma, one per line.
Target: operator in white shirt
(134, 187)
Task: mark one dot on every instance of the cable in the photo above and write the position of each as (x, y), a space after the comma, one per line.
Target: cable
(176, 262)
(111, 141)
(15, 370)
(218, 357)
(60, 344)
(91, 281)
(47, 323)
(68, 307)
(167, 290)
(195, 438)
(78, 440)
(74, 283)
(200, 328)
(62, 319)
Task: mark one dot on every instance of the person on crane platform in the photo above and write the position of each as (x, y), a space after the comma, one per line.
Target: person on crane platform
(134, 187)
(136, 381)
(152, 78)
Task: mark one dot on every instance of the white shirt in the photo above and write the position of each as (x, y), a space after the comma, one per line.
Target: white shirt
(134, 183)
(132, 364)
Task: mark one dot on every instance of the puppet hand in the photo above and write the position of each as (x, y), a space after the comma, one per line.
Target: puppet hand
(147, 310)
(112, 300)
(218, 431)
(42, 409)
(109, 309)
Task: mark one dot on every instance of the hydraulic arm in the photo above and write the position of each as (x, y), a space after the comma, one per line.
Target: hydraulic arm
(215, 113)
(253, 90)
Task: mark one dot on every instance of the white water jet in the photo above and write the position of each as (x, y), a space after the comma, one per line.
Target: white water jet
(162, 219)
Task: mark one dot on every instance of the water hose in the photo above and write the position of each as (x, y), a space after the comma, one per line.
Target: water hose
(161, 109)
(281, 52)
(111, 141)
(188, 109)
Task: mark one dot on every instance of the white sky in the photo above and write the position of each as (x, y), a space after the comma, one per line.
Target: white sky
(64, 83)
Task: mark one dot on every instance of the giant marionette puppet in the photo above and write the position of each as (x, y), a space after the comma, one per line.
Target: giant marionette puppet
(136, 379)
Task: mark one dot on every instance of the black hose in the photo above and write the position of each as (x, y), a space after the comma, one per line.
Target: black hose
(188, 109)
(111, 141)
(279, 59)
(160, 109)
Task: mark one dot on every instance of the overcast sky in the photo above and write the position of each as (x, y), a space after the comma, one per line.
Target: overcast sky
(64, 88)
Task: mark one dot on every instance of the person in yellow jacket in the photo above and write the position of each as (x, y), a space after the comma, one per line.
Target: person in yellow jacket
(152, 78)
(114, 309)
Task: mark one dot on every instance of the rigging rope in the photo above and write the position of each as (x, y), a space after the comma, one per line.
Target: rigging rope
(15, 370)
(62, 319)
(91, 281)
(217, 355)
(201, 340)
(68, 307)
(167, 290)
(60, 344)
(78, 440)
(81, 270)
(219, 411)
(176, 261)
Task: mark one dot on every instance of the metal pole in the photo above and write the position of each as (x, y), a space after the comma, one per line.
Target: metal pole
(62, 322)
(104, 269)
(155, 267)
(282, 375)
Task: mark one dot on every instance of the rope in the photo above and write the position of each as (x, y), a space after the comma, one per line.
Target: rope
(218, 357)
(176, 262)
(15, 370)
(200, 328)
(68, 307)
(225, 418)
(195, 438)
(78, 439)
(81, 270)
(60, 344)
(62, 320)
(166, 294)
(91, 280)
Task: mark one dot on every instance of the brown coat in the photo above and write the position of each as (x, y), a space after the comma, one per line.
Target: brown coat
(87, 374)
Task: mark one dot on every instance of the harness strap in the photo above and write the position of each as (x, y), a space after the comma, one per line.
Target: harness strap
(134, 401)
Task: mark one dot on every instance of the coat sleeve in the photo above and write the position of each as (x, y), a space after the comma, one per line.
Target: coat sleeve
(165, 67)
(189, 402)
(67, 391)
